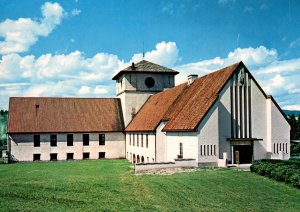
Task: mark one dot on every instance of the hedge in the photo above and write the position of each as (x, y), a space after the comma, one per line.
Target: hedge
(280, 170)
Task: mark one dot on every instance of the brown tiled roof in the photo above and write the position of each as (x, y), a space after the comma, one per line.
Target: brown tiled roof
(147, 67)
(183, 106)
(54, 115)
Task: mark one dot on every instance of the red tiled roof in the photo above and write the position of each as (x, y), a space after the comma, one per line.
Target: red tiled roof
(182, 106)
(57, 115)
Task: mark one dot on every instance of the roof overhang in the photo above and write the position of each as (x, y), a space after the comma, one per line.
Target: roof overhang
(244, 139)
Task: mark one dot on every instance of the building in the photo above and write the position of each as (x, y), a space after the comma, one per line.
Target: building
(224, 115)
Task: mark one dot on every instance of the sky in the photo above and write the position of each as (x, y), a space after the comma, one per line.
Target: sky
(72, 48)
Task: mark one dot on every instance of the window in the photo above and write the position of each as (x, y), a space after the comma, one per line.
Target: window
(86, 155)
(207, 149)
(142, 140)
(130, 78)
(274, 148)
(204, 152)
(69, 139)
(149, 82)
(101, 155)
(53, 156)
(215, 150)
(201, 150)
(169, 80)
(133, 139)
(129, 139)
(53, 140)
(180, 151)
(70, 156)
(286, 149)
(277, 148)
(86, 139)
(280, 147)
(137, 140)
(36, 157)
(36, 140)
(146, 140)
(101, 139)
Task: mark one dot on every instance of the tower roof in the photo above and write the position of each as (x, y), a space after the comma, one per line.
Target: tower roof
(145, 67)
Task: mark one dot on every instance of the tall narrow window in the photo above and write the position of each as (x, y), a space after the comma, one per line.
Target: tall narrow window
(133, 138)
(53, 140)
(130, 78)
(36, 140)
(207, 149)
(142, 140)
(277, 148)
(180, 151)
(215, 150)
(204, 152)
(201, 150)
(274, 148)
(86, 139)
(286, 150)
(169, 81)
(137, 140)
(211, 149)
(69, 139)
(146, 140)
(101, 139)
(129, 139)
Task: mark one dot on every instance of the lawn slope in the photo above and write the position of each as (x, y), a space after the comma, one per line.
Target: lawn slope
(110, 185)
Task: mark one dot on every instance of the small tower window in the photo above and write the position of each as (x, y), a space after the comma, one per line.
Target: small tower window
(149, 82)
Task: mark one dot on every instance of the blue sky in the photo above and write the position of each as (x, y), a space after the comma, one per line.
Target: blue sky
(72, 48)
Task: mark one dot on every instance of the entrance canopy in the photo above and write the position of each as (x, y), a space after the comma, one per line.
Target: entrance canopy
(244, 139)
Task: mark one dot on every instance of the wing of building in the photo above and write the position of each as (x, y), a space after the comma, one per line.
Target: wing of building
(222, 116)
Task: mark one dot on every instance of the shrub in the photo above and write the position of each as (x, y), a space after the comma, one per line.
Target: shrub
(283, 171)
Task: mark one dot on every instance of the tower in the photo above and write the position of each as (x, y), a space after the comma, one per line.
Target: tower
(137, 82)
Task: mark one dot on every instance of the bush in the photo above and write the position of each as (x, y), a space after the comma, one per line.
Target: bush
(282, 171)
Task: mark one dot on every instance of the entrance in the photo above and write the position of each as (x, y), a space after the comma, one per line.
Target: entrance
(243, 153)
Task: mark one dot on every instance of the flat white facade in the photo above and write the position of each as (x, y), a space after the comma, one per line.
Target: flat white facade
(22, 146)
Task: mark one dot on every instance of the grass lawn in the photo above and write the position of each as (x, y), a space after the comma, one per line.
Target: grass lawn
(111, 185)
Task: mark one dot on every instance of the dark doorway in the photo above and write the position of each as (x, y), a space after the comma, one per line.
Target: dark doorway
(243, 154)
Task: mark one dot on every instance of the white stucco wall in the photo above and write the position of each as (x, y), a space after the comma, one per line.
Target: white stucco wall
(259, 122)
(22, 146)
(146, 152)
(279, 137)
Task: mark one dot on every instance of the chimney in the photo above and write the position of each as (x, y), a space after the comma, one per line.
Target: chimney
(132, 66)
(191, 78)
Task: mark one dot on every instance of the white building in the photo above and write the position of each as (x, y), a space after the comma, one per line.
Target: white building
(219, 116)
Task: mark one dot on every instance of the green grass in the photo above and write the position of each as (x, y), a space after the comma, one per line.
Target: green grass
(110, 185)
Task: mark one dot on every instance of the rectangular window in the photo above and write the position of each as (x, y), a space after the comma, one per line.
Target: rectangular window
(70, 156)
(277, 148)
(201, 150)
(53, 140)
(211, 149)
(274, 148)
(86, 139)
(280, 147)
(86, 155)
(129, 139)
(286, 150)
(142, 140)
(204, 152)
(101, 139)
(133, 139)
(36, 140)
(53, 156)
(146, 140)
(137, 140)
(69, 139)
(180, 151)
(207, 149)
(215, 150)
(101, 155)
(36, 157)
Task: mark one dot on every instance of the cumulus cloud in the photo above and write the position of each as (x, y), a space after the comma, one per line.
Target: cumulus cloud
(20, 34)
(166, 54)
(279, 78)
(74, 74)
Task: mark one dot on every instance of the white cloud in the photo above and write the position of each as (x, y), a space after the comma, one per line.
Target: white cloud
(224, 2)
(74, 74)
(20, 34)
(166, 54)
(75, 12)
(295, 43)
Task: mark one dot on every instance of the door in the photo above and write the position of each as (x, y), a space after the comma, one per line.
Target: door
(243, 153)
